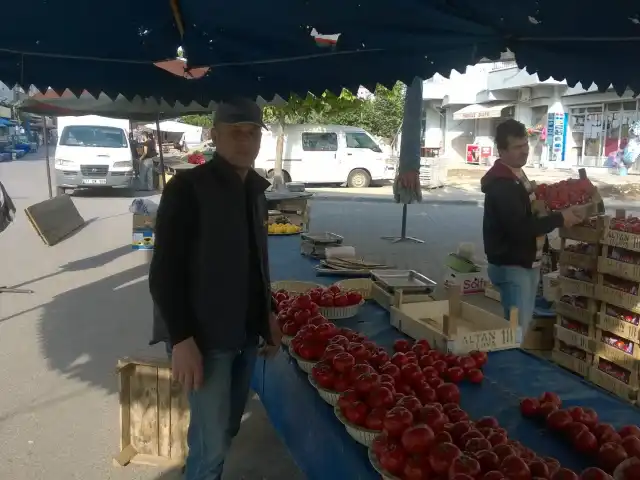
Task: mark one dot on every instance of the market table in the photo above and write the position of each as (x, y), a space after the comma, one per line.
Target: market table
(322, 448)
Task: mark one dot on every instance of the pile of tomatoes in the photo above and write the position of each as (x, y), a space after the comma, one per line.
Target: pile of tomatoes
(581, 427)
(296, 311)
(563, 194)
(333, 296)
(630, 224)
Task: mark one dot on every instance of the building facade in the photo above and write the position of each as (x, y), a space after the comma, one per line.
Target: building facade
(568, 126)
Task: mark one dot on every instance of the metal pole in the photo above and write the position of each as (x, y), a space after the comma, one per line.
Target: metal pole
(164, 181)
(46, 154)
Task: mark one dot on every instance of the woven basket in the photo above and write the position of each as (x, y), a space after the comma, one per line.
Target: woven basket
(340, 313)
(359, 434)
(376, 465)
(360, 285)
(286, 340)
(305, 365)
(327, 395)
(294, 286)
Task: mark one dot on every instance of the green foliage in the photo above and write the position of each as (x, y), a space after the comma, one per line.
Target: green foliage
(198, 120)
(312, 109)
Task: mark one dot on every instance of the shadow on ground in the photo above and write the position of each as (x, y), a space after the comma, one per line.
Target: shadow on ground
(256, 453)
(111, 193)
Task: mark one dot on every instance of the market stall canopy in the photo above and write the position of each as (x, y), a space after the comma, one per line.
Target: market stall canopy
(257, 48)
(52, 104)
(173, 127)
(471, 112)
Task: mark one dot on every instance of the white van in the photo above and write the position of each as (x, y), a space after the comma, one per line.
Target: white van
(93, 151)
(326, 154)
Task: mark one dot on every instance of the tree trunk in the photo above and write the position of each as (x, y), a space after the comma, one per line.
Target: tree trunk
(278, 177)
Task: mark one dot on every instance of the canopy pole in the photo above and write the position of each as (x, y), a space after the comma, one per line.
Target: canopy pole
(164, 180)
(46, 154)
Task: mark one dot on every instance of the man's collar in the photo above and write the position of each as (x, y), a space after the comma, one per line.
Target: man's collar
(253, 180)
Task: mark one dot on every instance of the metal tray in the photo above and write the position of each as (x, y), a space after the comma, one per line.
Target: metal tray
(323, 238)
(406, 280)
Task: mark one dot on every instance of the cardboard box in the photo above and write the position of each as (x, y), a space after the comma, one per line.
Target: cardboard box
(143, 236)
(469, 283)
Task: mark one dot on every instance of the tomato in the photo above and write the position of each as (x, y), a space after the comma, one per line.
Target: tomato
(426, 394)
(430, 371)
(326, 331)
(458, 429)
(375, 419)
(341, 300)
(290, 328)
(417, 439)
(347, 398)
(546, 409)
(440, 366)
(455, 374)
(602, 428)
(420, 350)
(365, 383)
(416, 468)
(457, 415)
(342, 383)
(503, 451)
(331, 351)
(610, 456)
(393, 459)
(515, 468)
(442, 456)
(631, 471)
(411, 373)
(451, 359)
(461, 476)
(448, 393)
(426, 361)
(550, 397)
(360, 368)
(631, 445)
(552, 463)
(343, 362)
(397, 420)
(358, 351)
(353, 298)
(493, 475)
(529, 407)
(476, 445)
(539, 469)
(490, 422)
(585, 442)
(356, 413)
(324, 377)
(386, 378)
(475, 375)
(480, 357)
(399, 359)
(326, 301)
(404, 388)
(564, 474)
(488, 460)
(302, 316)
(379, 444)
(411, 403)
(435, 419)
(435, 382)
(610, 437)
(575, 428)
(334, 289)
(401, 345)
(468, 435)
(379, 358)
(558, 420)
(391, 370)
(464, 465)
(467, 363)
(443, 437)
(594, 473)
(627, 430)
(380, 396)
(424, 343)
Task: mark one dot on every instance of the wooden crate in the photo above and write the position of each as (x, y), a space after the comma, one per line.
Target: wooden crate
(581, 260)
(455, 326)
(571, 286)
(616, 297)
(628, 361)
(615, 325)
(154, 414)
(616, 238)
(575, 339)
(387, 300)
(626, 391)
(585, 233)
(570, 362)
(584, 315)
(627, 271)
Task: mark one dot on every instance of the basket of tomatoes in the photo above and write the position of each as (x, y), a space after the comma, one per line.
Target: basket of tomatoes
(362, 435)
(305, 365)
(328, 396)
(378, 468)
(335, 303)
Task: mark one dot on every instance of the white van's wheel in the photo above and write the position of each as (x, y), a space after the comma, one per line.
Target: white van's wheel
(358, 178)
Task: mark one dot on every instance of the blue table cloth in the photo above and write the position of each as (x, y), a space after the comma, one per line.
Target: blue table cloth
(319, 443)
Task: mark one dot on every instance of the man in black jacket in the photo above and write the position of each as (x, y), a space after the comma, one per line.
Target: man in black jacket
(513, 234)
(209, 280)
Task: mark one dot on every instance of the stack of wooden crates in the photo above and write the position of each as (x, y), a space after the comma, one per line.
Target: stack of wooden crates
(597, 334)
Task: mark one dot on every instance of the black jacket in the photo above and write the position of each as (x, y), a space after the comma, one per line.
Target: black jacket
(209, 276)
(509, 227)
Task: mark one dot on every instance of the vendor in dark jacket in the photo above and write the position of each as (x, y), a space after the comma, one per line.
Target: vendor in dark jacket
(209, 280)
(513, 234)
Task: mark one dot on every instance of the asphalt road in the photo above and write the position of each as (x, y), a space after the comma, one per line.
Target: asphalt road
(59, 346)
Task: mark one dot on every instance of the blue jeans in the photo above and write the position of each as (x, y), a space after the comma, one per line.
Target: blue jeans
(216, 410)
(518, 287)
(145, 177)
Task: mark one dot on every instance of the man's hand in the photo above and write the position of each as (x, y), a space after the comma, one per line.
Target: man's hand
(573, 216)
(186, 364)
(276, 337)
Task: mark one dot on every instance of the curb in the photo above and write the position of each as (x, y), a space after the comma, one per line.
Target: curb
(385, 199)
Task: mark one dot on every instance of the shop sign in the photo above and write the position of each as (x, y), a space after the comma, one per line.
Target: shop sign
(5, 112)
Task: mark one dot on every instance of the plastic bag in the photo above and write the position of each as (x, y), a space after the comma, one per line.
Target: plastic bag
(7, 209)
(142, 206)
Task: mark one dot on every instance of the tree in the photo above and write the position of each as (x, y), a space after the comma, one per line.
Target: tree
(198, 120)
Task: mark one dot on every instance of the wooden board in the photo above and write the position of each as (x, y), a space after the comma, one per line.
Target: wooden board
(580, 367)
(625, 391)
(455, 326)
(154, 414)
(616, 238)
(624, 270)
(615, 325)
(387, 300)
(55, 219)
(584, 315)
(616, 297)
(575, 339)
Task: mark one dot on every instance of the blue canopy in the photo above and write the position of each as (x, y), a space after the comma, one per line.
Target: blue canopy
(257, 48)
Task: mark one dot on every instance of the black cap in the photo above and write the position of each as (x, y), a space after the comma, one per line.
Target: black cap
(239, 110)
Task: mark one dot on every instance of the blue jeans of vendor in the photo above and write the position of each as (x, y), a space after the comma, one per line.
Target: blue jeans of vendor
(518, 288)
(145, 177)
